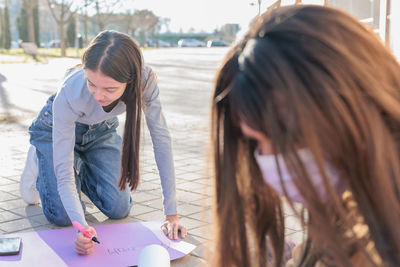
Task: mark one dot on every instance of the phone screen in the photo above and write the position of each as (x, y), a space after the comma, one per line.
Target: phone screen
(10, 245)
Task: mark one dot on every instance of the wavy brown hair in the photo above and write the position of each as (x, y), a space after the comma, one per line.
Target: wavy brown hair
(309, 76)
(118, 56)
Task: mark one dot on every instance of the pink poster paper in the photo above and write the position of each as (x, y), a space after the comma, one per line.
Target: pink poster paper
(120, 245)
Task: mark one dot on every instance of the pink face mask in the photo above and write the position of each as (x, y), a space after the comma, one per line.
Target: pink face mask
(269, 170)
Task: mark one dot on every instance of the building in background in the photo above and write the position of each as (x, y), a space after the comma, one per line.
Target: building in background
(382, 15)
(394, 26)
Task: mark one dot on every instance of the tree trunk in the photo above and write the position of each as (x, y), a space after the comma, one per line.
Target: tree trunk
(36, 22)
(85, 24)
(2, 29)
(65, 15)
(100, 22)
(7, 27)
(62, 39)
(29, 5)
(85, 28)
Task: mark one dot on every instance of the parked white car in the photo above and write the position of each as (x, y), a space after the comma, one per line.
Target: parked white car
(190, 42)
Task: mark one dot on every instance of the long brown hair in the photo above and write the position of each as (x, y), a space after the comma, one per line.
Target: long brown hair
(309, 76)
(118, 56)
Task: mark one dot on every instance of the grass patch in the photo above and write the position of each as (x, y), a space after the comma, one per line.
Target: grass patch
(56, 52)
(12, 61)
(18, 59)
(3, 118)
(52, 52)
(49, 52)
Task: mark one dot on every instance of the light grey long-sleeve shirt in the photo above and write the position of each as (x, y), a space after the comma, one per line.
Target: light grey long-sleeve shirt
(74, 103)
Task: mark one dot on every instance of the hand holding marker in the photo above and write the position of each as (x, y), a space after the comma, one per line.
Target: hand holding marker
(82, 230)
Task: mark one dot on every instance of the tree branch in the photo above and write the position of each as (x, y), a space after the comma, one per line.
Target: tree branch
(49, 3)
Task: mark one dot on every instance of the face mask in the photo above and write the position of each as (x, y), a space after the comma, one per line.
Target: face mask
(270, 172)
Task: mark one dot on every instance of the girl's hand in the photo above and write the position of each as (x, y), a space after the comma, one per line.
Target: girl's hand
(84, 245)
(171, 227)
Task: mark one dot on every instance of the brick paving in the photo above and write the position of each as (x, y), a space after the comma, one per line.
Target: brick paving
(185, 80)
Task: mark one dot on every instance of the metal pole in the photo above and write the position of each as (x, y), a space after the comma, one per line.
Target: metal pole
(387, 21)
(383, 13)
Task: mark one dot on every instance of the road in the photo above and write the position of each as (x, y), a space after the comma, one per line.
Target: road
(186, 77)
(185, 80)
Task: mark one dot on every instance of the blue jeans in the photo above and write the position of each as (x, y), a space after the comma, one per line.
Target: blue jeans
(97, 162)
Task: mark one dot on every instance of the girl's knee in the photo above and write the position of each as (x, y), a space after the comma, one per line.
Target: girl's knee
(119, 210)
(57, 218)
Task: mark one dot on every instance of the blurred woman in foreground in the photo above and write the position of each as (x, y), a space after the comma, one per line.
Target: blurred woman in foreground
(307, 106)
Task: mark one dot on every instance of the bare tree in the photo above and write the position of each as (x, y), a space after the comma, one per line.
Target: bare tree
(142, 21)
(130, 20)
(145, 21)
(84, 4)
(85, 16)
(104, 11)
(62, 13)
(30, 5)
(5, 24)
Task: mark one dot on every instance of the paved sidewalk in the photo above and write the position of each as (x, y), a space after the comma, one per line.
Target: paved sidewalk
(185, 80)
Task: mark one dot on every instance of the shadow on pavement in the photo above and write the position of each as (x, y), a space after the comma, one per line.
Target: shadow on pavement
(7, 116)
